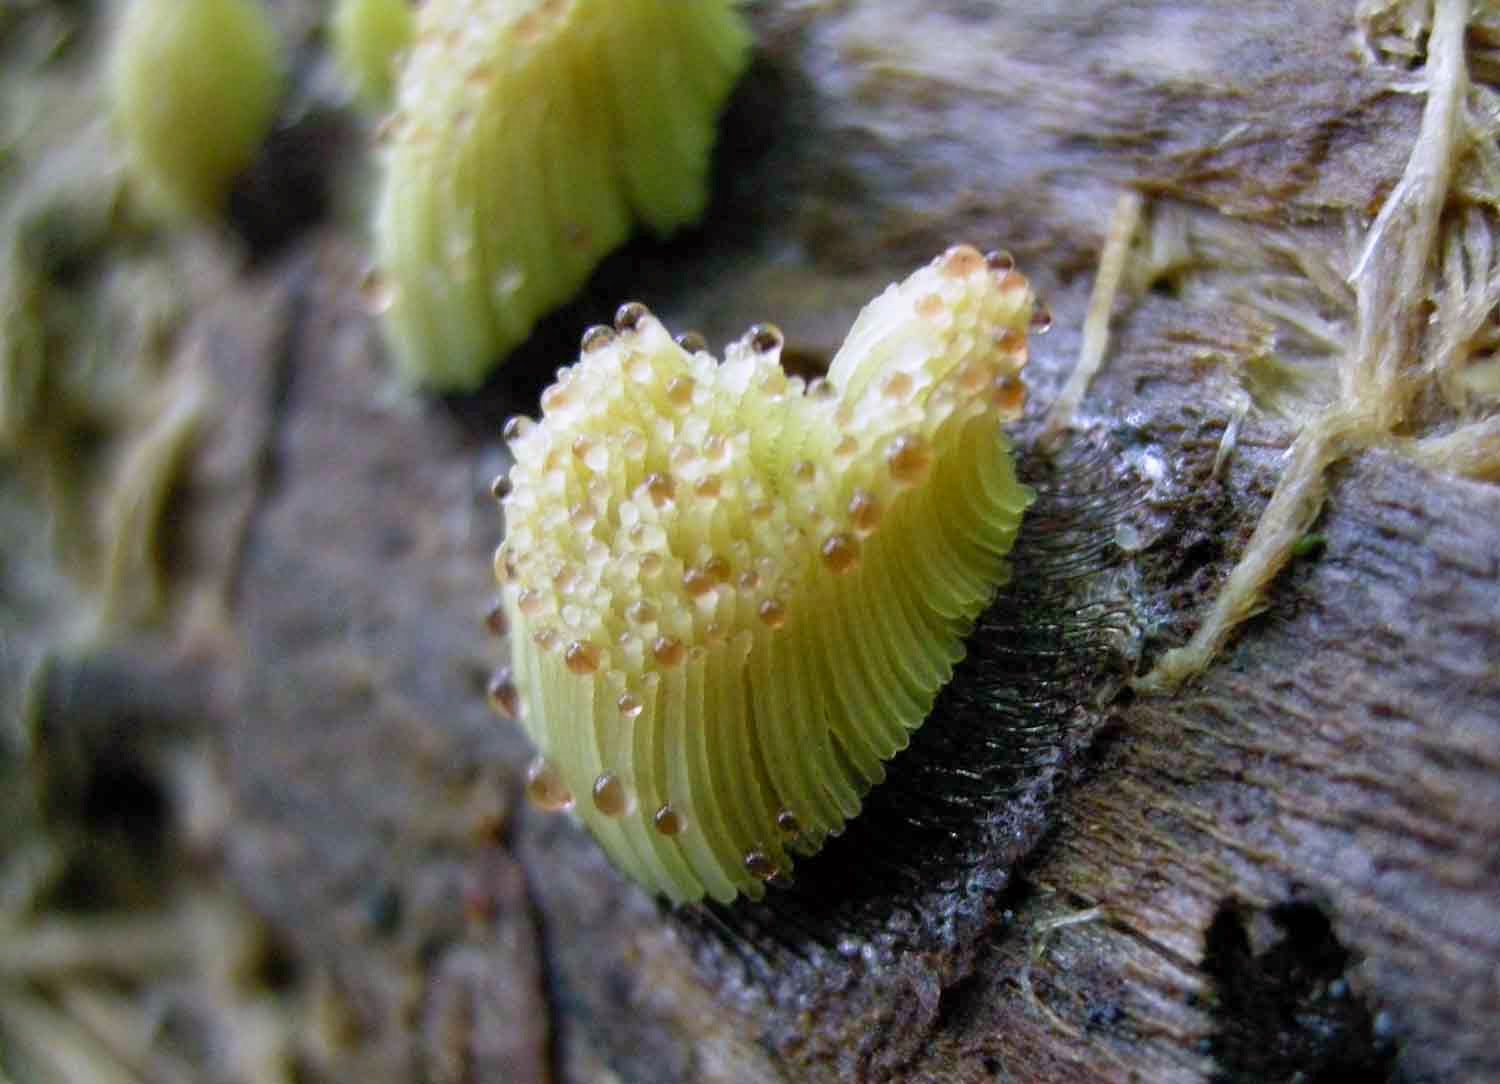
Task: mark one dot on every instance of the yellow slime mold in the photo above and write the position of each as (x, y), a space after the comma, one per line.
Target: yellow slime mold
(195, 85)
(733, 596)
(528, 135)
(368, 38)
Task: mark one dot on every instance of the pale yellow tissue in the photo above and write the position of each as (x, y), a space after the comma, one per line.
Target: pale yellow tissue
(195, 85)
(732, 595)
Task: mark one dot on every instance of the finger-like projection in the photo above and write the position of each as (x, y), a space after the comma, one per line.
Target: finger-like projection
(194, 89)
(527, 137)
(732, 595)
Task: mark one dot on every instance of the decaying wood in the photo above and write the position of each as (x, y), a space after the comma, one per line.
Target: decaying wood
(1289, 864)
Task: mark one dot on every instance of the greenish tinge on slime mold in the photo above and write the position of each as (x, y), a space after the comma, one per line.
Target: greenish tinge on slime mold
(528, 135)
(368, 39)
(733, 595)
(194, 88)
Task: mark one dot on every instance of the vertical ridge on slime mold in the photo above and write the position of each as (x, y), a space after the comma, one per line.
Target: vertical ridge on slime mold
(732, 597)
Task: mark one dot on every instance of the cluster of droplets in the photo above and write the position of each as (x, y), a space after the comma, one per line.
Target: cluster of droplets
(672, 513)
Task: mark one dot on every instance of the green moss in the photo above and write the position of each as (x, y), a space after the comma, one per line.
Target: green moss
(194, 84)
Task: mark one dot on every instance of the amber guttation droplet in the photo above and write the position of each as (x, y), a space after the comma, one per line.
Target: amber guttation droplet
(960, 261)
(840, 554)
(749, 580)
(660, 488)
(628, 316)
(501, 488)
(1012, 343)
(772, 613)
(864, 510)
(929, 306)
(503, 695)
(495, 621)
(545, 638)
(668, 821)
(554, 398)
(846, 446)
(787, 821)
(545, 788)
(516, 426)
(581, 657)
(897, 387)
(717, 569)
(530, 602)
(668, 650)
(651, 564)
(505, 564)
(999, 259)
(709, 486)
(1013, 282)
(765, 338)
(1008, 396)
(596, 338)
(692, 342)
(630, 705)
(609, 795)
(680, 392)
(908, 458)
(819, 388)
(759, 865)
(1041, 320)
(974, 377)
(641, 612)
(697, 582)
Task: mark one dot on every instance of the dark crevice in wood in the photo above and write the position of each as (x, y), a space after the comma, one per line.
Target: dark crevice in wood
(1284, 1008)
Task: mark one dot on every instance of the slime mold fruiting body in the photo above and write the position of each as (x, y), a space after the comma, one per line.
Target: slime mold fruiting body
(368, 36)
(195, 87)
(527, 136)
(732, 596)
